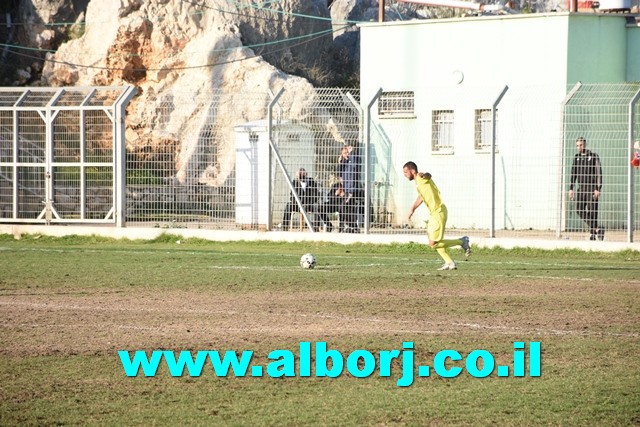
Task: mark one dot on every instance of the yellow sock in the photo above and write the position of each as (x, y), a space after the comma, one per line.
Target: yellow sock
(448, 243)
(444, 254)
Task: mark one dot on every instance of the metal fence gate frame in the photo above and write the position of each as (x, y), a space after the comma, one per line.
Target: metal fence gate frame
(37, 125)
(62, 154)
(595, 101)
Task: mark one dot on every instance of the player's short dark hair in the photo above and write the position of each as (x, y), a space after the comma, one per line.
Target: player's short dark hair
(410, 165)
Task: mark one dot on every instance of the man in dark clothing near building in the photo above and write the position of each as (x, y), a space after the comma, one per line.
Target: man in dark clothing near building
(586, 173)
(349, 172)
(307, 190)
(333, 203)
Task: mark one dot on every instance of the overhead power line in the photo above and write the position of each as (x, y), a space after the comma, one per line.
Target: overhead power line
(195, 3)
(253, 46)
(281, 12)
(210, 65)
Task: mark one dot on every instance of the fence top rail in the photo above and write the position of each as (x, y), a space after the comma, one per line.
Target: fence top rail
(604, 94)
(73, 97)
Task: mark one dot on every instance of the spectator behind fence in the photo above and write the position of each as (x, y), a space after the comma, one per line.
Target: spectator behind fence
(586, 173)
(348, 172)
(333, 203)
(348, 169)
(307, 191)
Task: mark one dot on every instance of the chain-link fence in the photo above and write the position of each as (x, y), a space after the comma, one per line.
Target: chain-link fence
(228, 160)
(521, 187)
(502, 158)
(60, 154)
(605, 119)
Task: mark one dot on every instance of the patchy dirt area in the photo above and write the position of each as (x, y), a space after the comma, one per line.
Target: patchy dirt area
(103, 321)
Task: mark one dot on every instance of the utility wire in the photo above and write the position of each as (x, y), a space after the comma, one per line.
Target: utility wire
(256, 7)
(195, 3)
(211, 65)
(253, 46)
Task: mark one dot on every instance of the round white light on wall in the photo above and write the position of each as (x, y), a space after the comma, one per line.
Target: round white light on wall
(457, 77)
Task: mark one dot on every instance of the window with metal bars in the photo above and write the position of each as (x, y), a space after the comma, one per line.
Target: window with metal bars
(483, 130)
(442, 131)
(394, 104)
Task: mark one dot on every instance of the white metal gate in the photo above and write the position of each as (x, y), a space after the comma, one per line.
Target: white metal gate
(62, 154)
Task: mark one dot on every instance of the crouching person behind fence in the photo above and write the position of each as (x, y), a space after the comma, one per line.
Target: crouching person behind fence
(334, 202)
(307, 191)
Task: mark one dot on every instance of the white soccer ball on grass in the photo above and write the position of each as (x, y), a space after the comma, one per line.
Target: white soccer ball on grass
(308, 261)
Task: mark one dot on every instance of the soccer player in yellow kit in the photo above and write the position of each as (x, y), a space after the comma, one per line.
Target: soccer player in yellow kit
(429, 194)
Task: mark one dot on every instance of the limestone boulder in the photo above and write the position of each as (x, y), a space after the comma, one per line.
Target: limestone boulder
(198, 71)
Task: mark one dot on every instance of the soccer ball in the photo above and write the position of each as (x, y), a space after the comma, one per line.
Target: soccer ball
(308, 261)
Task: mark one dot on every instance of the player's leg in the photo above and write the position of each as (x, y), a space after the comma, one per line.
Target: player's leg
(350, 216)
(590, 215)
(435, 230)
(444, 244)
(463, 241)
(448, 243)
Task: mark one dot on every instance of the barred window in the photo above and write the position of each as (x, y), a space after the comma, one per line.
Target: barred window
(483, 130)
(396, 104)
(442, 131)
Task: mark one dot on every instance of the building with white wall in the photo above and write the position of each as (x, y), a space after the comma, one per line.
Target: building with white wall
(440, 82)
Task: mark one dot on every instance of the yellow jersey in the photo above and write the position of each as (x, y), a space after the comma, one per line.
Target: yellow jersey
(429, 193)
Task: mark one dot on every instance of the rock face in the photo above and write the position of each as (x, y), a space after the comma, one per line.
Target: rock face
(38, 14)
(176, 53)
(28, 26)
(307, 26)
(188, 58)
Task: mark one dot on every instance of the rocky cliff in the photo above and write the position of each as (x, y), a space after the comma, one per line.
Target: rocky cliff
(177, 52)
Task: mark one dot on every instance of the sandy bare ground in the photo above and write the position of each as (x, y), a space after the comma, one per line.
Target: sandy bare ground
(103, 321)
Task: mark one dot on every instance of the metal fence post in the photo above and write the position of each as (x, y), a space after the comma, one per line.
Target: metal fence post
(274, 150)
(120, 171)
(494, 107)
(367, 160)
(272, 104)
(49, 116)
(630, 193)
(562, 198)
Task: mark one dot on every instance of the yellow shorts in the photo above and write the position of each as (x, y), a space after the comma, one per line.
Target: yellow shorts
(437, 224)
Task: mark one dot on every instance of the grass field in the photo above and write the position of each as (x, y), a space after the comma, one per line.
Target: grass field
(68, 305)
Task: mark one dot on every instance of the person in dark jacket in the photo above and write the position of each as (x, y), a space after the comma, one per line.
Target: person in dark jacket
(307, 190)
(585, 186)
(348, 172)
(333, 203)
